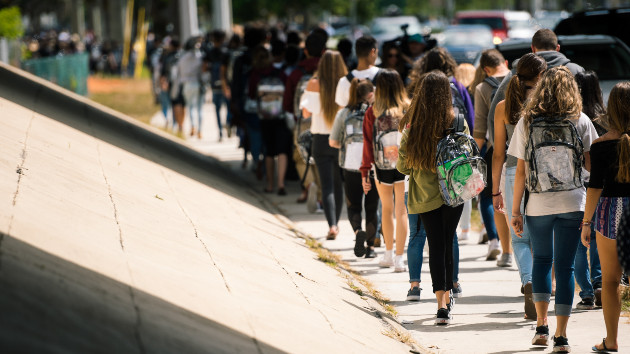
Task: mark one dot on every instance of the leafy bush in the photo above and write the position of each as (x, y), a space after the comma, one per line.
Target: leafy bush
(11, 23)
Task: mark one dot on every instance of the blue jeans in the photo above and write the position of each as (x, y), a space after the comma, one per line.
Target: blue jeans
(218, 99)
(588, 279)
(522, 245)
(255, 136)
(563, 231)
(417, 239)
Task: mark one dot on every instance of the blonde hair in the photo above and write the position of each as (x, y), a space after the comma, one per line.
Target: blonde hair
(390, 95)
(330, 69)
(556, 96)
(430, 115)
(619, 120)
(465, 74)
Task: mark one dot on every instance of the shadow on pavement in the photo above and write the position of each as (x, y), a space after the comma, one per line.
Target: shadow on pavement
(51, 305)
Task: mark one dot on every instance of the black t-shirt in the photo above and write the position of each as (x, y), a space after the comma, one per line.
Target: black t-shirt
(604, 168)
(216, 57)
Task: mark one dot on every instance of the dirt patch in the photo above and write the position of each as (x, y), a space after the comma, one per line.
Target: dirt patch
(129, 96)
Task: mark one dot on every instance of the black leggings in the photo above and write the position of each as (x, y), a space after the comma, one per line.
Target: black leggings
(353, 187)
(440, 225)
(326, 160)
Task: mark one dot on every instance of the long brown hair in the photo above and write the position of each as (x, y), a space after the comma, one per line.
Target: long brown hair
(436, 59)
(330, 69)
(390, 95)
(619, 120)
(528, 68)
(556, 95)
(359, 91)
(430, 115)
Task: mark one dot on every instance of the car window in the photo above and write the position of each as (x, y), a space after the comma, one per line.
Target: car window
(493, 22)
(609, 61)
(470, 37)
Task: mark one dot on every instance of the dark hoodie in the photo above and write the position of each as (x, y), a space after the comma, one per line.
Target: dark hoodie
(552, 58)
(305, 67)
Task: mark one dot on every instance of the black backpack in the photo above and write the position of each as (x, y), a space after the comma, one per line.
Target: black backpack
(555, 156)
(461, 170)
(351, 151)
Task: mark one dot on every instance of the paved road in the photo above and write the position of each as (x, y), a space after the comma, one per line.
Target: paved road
(487, 319)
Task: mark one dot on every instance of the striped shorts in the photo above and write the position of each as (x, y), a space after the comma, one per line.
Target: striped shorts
(608, 215)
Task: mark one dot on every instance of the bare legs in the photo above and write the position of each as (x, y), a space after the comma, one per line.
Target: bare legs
(611, 274)
(386, 193)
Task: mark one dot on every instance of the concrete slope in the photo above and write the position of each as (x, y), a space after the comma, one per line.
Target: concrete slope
(119, 239)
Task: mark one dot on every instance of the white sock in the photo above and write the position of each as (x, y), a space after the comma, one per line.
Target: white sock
(389, 253)
(398, 257)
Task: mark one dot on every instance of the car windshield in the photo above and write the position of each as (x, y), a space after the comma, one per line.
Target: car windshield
(519, 24)
(461, 37)
(393, 28)
(609, 61)
(492, 22)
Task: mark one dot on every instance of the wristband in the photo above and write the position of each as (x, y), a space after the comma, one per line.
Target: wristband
(517, 216)
(496, 195)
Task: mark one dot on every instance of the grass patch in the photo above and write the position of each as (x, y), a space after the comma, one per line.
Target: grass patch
(129, 96)
(625, 300)
(403, 337)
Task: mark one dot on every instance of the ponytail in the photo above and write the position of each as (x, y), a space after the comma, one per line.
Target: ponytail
(514, 99)
(359, 91)
(623, 175)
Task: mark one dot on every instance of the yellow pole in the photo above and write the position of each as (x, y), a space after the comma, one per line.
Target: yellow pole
(141, 43)
(127, 41)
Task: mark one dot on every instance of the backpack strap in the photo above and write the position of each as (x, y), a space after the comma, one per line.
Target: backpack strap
(350, 76)
(459, 123)
(493, 82)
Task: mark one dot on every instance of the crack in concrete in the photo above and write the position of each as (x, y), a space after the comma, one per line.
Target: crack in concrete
(20, 171)
(132, 294)
(205, 247)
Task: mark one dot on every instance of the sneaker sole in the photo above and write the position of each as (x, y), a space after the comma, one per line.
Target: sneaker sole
(385, 265)
(457, 295)
(562, 349)
(442, 321)
(359, 244)
(540, 340)
(413, 297)
(400, 270)
(505, 265)
(585, 307)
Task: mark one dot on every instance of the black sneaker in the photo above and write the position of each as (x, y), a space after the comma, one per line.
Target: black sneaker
(457, 291)
(542, 336)
(561, 345)
(359, 243)
(443, 317)
(586, 304)
(414, 294)
(370, 253)
(598, 296)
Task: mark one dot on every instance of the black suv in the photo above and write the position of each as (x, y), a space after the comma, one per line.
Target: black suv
(612, 22)
(608, 56)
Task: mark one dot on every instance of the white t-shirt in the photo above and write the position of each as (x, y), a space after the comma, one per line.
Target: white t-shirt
(549, 203)
(342, 95)
(310, 101)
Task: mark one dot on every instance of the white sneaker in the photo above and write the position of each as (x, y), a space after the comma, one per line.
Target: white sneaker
(505, 260)
(494, 249)
(387, 260)
(463, 236)
(399, 264)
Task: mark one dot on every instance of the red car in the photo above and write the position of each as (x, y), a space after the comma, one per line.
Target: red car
(494, 19)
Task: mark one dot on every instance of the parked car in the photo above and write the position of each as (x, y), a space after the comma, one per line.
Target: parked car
(465, 42)
(385, 29)
(608, 56)
(520, 24)
(612, 22)
(494, 19)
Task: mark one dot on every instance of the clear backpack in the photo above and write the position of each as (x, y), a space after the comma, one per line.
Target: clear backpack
(555, 156)
(461, 170)
(270, 95)
(386, 141)
(351, 151)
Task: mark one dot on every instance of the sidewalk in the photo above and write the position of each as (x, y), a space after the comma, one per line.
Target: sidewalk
(491, 302)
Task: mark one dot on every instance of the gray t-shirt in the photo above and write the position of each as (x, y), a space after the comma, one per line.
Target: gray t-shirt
(549, 203)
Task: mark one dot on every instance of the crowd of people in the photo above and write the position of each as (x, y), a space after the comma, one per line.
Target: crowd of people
(412, 142)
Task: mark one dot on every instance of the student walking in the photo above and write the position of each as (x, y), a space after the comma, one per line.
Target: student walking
(380, 151)
(429, 119)
(318, 103)
(552, 143)
(529, 69)
(607, 199)
(347, 136)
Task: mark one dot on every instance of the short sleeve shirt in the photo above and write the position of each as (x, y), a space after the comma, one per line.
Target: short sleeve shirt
(549, 203)
(342, 94)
